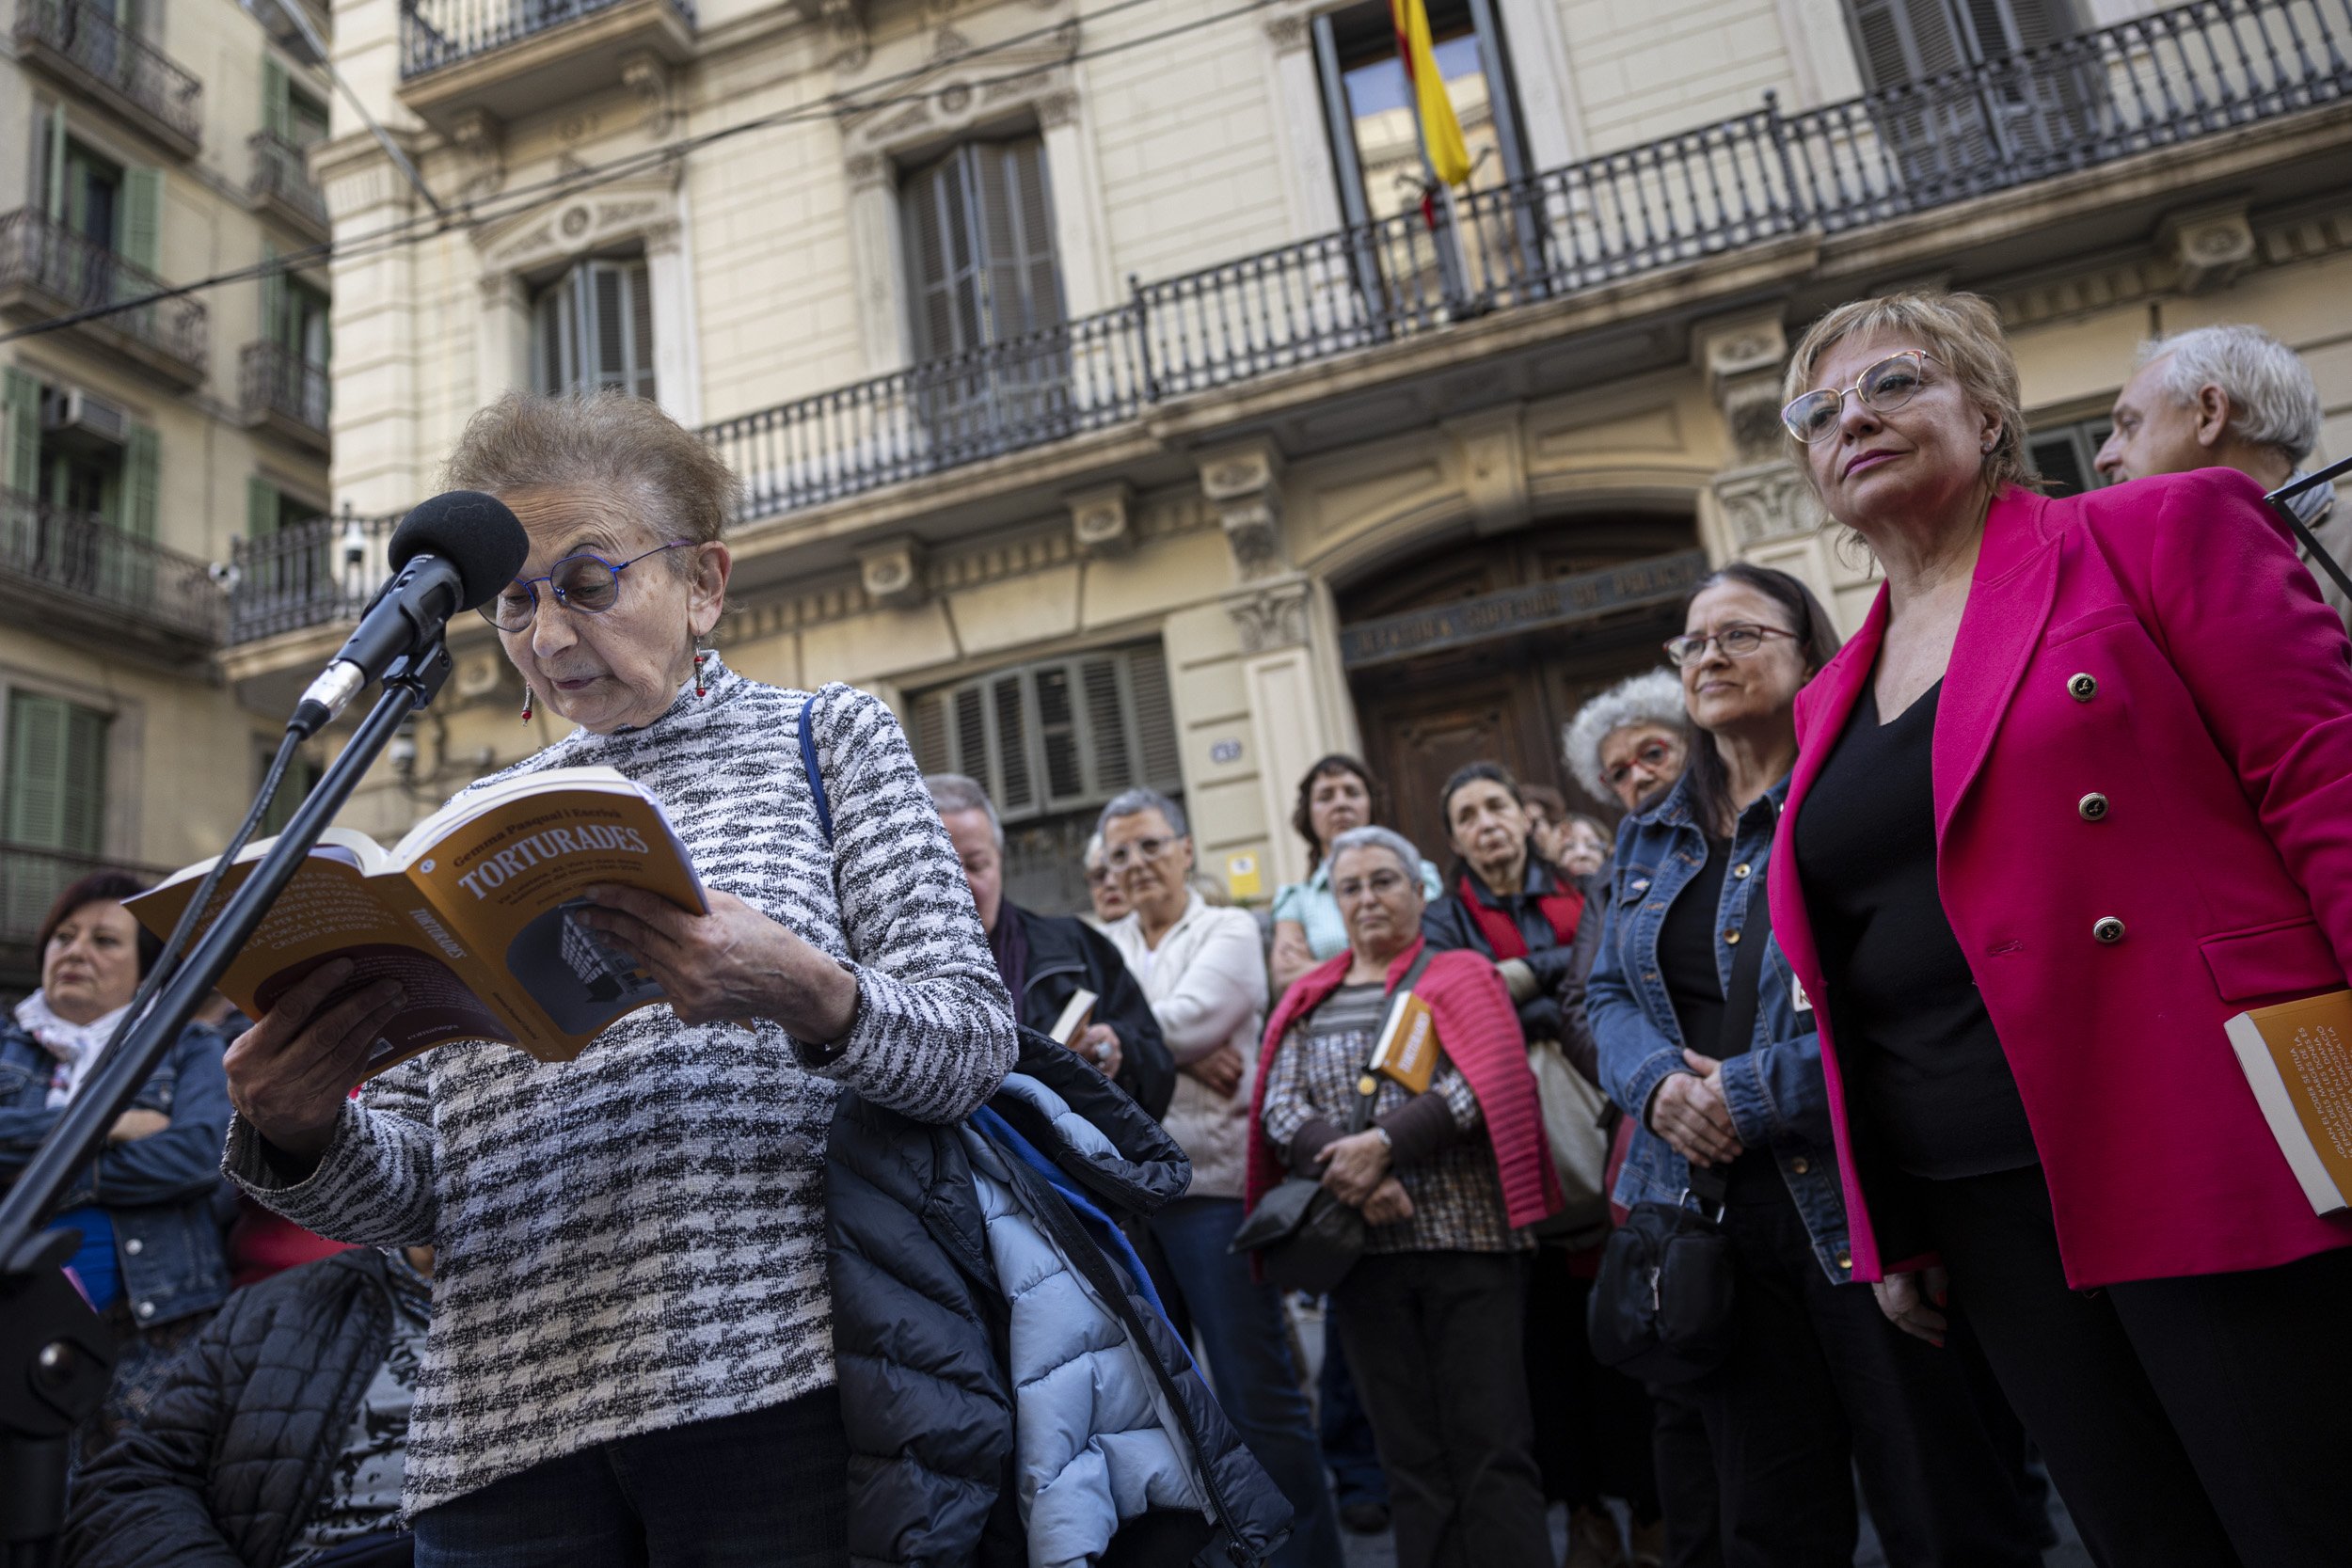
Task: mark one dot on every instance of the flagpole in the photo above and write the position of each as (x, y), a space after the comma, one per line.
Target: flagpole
(1439, 193)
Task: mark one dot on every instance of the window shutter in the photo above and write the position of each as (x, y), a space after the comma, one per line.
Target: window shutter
(931, 754)
(1110, 742)
(20, 402)
(142, 216)
(1025, 293)
(57, 778)
(142, 481)
(1017, 789)
(1155, 720)
(938, 251)
(277, 98)
(605, 360)
(261, 509)
(1058, 737)
(53, 164)
(640, 331)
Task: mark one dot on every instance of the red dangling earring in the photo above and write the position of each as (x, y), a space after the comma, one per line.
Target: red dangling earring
(701, 689)
(526, 700)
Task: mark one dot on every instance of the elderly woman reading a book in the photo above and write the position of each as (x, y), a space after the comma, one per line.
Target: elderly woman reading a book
(630, 1358)
(1448, 1167)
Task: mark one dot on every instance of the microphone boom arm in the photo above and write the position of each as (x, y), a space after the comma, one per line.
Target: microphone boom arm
(2312, 547)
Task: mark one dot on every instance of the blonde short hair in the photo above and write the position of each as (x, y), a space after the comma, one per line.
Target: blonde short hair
(609, 444)
(1961, 332)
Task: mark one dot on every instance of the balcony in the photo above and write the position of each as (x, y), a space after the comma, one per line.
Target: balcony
(283, 394)
(312, 573)
(77, 570)
(84, 46)
(281, 185)
(48, 270)
(1882, 176)
(507, 59)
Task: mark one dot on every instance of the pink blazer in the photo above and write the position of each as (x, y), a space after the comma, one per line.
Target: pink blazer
(2157, 644)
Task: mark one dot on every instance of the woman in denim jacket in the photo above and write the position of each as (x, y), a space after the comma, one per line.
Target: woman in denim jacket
(150, 1259)
(1816, 1384)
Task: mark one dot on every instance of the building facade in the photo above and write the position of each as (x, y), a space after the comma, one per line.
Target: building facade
(144, 144)
(1110, 399)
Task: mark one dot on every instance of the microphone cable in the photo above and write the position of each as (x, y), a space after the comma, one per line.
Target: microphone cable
(160, 971)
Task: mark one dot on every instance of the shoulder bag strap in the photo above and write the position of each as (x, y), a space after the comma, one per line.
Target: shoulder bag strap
(1740, 1006)
(1368, 1082)
(808, 764)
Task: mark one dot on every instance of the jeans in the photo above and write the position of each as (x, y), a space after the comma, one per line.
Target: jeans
(1819, 1386)
(763, 1489)
(1434, 1338)
(2195, 1420)
(1242, 1332)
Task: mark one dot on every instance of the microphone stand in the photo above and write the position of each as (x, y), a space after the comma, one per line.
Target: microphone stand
(56, 1356)
(2312, 547)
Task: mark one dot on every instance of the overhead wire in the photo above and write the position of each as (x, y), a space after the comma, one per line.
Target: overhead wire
(424, 228)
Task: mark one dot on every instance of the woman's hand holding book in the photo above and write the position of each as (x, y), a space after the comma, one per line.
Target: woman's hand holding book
(290, 1073)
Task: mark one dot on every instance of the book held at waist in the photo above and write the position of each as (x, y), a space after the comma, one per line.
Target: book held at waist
(2298, 1057)
(1406, 1050)
(1077, 1013)
(473, 912)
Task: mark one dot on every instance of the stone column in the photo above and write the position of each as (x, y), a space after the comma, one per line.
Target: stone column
(874, 246)
(1546, 86)
(1070, 175)
(677, 351)
(380, 314)
(1304, 143)
(502, 343)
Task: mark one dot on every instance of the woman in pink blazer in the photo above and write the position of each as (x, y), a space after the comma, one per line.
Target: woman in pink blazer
(2079, 790)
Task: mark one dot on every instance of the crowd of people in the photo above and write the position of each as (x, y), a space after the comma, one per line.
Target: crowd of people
(1902, 981)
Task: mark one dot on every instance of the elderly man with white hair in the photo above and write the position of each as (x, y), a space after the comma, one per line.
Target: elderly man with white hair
(2229, 397)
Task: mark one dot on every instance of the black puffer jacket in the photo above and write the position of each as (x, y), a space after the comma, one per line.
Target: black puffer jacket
(918, 1325)
(234, 1452)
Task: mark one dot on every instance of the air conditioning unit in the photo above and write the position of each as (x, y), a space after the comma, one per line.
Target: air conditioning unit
(72, 418)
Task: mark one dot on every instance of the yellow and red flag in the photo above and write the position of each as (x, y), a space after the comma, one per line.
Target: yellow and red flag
(1440, 132)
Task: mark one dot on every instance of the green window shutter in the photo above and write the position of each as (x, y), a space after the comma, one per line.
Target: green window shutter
(276, 100)
(56, 775)
(20, 400)
(142, 481)
(142, 216)
(274, 300)
(261, 508)
(52, 133)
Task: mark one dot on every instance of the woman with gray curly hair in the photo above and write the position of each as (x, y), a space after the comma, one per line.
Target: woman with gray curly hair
(632, 1354)
(1630, 742)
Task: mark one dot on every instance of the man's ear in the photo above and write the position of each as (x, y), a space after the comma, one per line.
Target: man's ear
(2213, 415)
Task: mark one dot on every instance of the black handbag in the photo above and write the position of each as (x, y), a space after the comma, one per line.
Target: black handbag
(1661, 1307)
(1304, 1238)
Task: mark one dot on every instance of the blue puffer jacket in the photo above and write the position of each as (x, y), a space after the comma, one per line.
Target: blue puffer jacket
(164, 1193)
(1012, 1396)
(1774, 1091)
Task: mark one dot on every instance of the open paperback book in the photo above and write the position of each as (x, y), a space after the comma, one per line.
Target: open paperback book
(473, 912)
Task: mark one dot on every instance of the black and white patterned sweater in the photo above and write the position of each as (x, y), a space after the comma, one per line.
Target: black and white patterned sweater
(635, 1239)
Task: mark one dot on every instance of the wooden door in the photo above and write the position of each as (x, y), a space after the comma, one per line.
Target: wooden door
(1419, 728)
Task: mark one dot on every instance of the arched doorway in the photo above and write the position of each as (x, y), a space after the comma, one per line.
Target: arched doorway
(1485, 650)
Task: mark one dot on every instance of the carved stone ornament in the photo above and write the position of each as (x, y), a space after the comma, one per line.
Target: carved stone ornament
(1271, 617)
(845, 28)
(1102, 520)
(1738, 348)
(1766, 501)
(1286, 33)
(891, 572)
(1752, 405)
(480, 141)
(943, 99)
(2211, 245)
(644, 210)
(1244, 485)
(647, 76)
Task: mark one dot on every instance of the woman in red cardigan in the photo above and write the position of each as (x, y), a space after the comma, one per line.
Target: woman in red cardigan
(1447, 1179)
(2079, 790)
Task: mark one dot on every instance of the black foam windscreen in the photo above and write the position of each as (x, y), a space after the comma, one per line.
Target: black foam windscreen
(472, 531)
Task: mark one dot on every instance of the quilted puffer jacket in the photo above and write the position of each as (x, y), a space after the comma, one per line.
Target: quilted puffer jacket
(977, 1281)
(234, 1452)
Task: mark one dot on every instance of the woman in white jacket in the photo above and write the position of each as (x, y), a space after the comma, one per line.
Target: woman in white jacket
(1205, 971)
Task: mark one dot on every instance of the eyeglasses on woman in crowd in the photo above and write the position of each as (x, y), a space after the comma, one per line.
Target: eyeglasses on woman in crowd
(1737, 640)
(1653, 756)
(1118, 857)
(1882, 387)
(584, 582)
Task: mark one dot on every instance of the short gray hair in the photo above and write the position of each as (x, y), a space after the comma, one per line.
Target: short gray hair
(2272, 402)
(1135, 803)
(959, 792)
(1372, 836)
(1652, 697)
(1093, 849)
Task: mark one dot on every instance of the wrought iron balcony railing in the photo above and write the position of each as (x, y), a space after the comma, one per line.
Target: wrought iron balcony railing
(2153, 82)
(282, 177)
(275, 383)
(437, 33)
(40, 257)
(78, 561)
(31, 878)
(87, 41)
(311, 574)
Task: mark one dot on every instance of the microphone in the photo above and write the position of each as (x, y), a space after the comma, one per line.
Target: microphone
(450, 554)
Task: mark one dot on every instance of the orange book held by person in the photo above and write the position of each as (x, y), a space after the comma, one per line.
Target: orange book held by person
(2298, 1057)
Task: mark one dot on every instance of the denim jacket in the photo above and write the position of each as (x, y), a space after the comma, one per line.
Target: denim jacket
(159, 1191)
(1775, 1091)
